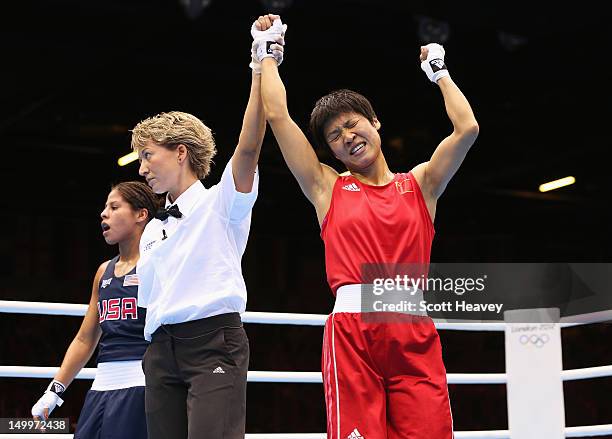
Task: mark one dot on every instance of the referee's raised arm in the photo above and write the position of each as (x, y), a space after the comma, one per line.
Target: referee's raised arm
(246, 155)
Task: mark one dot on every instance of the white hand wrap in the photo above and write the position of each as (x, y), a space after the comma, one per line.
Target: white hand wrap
(267, 44)
(49, 400)
(434, 65)
(276, 49)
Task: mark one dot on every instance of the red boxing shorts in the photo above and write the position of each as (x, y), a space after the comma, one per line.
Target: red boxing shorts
(384, 377)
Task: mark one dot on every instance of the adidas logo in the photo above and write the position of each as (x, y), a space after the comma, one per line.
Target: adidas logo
(351, 187)
(355, 435)
(437, 64)
(219, 370)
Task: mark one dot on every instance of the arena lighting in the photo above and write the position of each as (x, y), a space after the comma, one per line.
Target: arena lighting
(194, 8)
(551, 185)
(128, 158)
(276, 6)
(431, 30)
(511, 42)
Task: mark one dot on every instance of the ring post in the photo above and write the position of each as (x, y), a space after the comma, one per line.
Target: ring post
(533, 368)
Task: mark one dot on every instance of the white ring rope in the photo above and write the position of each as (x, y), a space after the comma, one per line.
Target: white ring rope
(49, 308)
(254, 376)
(586, 373)
(276, 318)
(72, 309)
(588, 431)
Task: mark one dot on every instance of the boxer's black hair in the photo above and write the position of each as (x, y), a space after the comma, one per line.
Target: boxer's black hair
(333, 104)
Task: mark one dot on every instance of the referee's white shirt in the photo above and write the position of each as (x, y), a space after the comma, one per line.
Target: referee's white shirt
(190, 268)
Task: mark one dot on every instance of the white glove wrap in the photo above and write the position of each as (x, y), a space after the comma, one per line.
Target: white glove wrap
(270, 48)
(49, 400)
(434, 65)
(267, 44)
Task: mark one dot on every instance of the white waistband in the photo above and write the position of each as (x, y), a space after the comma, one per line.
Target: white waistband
(353, 298)
(118, 375)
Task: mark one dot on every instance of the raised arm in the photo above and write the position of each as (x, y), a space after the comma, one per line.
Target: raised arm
(78, 354)
(315, 179)
(449, 154)
(246, 155)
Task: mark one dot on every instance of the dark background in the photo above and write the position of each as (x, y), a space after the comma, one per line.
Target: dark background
(78, 75)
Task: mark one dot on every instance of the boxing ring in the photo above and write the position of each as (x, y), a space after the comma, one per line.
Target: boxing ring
(65, 309)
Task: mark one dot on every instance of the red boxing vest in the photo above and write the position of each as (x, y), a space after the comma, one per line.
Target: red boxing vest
(366, 224)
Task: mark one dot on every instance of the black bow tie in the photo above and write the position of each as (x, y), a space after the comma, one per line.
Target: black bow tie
(163, 214)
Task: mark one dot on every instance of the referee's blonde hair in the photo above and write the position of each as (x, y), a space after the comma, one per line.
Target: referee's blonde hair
(175, 128)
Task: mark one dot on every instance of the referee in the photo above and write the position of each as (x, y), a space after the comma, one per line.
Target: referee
(190, 274)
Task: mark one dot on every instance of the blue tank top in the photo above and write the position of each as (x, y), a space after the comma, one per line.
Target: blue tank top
(121, 320)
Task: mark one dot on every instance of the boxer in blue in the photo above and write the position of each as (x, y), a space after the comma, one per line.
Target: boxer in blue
(114, 407)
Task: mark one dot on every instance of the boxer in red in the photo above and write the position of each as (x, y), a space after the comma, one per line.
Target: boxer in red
(383, 378)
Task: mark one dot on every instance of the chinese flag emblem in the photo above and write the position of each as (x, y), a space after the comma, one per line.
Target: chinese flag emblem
(404, 186)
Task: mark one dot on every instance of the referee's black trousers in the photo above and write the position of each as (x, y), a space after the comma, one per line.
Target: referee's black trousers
(196, 374)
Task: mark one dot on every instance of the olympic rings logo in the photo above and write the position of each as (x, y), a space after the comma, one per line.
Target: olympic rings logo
(537, 340)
